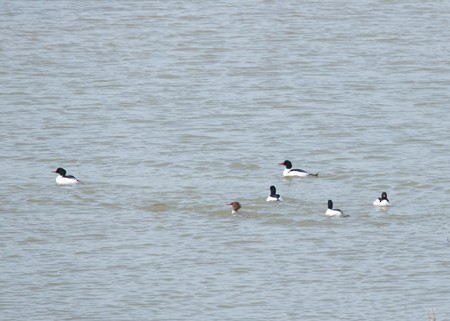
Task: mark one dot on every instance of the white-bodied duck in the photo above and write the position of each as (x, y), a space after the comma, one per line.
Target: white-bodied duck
(64, 179)
(289, 171)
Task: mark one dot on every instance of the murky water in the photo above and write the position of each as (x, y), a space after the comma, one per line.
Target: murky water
(168, 110)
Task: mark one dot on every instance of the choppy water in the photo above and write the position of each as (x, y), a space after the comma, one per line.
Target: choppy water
(168, 110)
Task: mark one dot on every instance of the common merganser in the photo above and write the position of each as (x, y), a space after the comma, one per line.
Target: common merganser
(334, 212)
(289, 171)
(382, 201)
(64, 179)
(273, 197)
(235, 208)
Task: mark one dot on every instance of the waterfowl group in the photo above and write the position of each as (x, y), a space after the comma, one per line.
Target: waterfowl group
(64, 179)
(292, 172)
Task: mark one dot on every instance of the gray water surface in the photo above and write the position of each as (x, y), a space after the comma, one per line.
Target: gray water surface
(168, 110)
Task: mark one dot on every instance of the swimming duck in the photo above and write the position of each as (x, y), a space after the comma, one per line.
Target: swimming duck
(334, 211)
(273, 197)
(235, 207)
(382, 201)
(289, 171)
(64, 179)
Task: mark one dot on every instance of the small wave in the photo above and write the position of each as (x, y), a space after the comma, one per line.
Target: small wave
(157, 208)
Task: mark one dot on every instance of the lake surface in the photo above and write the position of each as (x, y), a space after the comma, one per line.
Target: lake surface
(168, 110)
